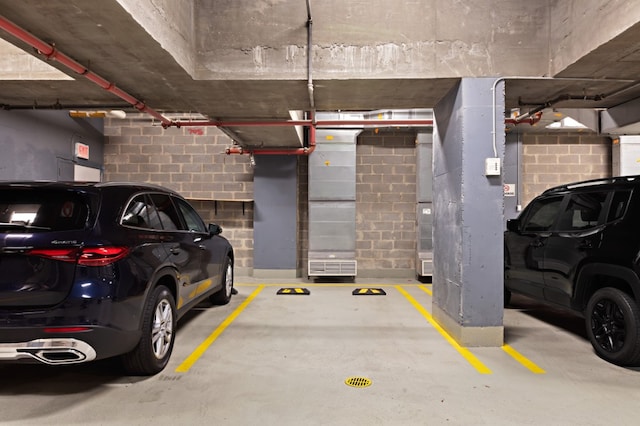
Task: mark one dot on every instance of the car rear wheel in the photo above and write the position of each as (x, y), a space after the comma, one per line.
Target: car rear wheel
(613, 326)
(223, 296)
(153, 351)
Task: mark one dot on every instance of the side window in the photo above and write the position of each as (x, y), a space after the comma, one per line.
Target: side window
(168, 216)
(141, 213)
(583, 211)
(543, 213)
(191, 217)
(136, 213)
(618, 205)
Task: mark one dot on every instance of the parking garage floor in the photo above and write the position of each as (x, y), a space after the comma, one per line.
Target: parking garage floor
(334, 358)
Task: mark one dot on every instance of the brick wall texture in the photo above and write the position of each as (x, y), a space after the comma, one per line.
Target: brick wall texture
(552, 159)
(191, 160)
(386, 200)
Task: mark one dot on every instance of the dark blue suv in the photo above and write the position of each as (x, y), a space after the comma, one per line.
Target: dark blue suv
(96, 270)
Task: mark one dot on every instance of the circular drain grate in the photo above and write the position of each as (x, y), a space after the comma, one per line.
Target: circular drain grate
(358, 382)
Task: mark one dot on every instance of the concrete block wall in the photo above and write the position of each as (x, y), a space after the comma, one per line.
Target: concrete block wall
(386, 203)
(551, 159)
(192, 161)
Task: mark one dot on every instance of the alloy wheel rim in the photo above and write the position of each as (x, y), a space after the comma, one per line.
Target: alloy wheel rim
(608, 326)
(229, 279)
(162, 331)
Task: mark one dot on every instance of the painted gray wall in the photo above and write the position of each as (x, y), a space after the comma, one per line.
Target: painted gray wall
(40, 145)
(513, 147)
(275, 184)
(468, 206)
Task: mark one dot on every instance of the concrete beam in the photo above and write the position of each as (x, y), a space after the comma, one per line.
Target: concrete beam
(623, 118)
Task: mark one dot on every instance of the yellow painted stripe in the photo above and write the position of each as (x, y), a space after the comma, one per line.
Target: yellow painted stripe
(523, 360)
(202, 348)
(426, 289)
(471, 358)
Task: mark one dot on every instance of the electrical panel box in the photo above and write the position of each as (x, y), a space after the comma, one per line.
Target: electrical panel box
(492, 167)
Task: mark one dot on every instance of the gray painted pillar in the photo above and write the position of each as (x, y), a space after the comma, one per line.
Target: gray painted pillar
(512, 176)
(275, 242)
(468, 214)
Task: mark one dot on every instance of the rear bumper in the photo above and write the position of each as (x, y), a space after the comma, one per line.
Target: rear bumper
(52, 351)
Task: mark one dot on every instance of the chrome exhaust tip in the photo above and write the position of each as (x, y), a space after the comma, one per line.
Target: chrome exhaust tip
(49, 351)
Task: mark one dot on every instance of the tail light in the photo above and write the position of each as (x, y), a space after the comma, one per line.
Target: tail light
(88, 256)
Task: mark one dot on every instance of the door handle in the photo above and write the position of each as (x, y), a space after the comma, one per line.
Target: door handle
(537, 243)
(202, 247)
(174, 250)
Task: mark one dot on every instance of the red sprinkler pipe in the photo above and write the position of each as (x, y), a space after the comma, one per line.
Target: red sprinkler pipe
(307, 123)
(50, 52)
(265, 151)
(529, 120)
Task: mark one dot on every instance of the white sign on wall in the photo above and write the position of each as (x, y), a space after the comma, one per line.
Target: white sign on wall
(86, 174)
(509, 190)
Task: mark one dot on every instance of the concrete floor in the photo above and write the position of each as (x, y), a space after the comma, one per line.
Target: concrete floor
(268, 359)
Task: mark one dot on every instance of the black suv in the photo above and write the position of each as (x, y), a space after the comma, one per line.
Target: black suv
(578, 246)
(90, 271)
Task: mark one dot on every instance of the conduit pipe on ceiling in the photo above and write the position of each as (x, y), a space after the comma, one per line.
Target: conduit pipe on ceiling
(51, 53)
(312, 102)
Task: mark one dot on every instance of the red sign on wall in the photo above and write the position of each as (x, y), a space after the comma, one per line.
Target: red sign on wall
(82, 151)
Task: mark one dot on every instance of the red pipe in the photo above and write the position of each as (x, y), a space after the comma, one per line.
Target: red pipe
(265, 151)
(306, 123)
(530, 120)
(50, 52)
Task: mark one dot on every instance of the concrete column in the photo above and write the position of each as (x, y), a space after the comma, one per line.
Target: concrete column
(512, 176)
(468, 214)
(275, 216)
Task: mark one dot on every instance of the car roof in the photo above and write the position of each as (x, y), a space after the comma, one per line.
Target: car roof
(608, 183)
(135, 186)
(89, 187)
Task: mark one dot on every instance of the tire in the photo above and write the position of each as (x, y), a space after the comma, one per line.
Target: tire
(223, 296)
(154, 349)
(613, 326)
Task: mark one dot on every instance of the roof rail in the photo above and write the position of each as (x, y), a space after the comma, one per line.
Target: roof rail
(593, 182)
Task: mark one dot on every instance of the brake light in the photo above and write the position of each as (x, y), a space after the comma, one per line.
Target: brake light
(64, 255)
(91, 256)
(101, 256)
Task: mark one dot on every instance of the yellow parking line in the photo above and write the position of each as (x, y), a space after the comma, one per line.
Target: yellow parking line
(426, 289)
(523, 360)
(202, 348)
(471, 358)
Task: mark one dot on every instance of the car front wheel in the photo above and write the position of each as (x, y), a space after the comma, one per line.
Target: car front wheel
(153, 351)
(223, 296)
(613, 326)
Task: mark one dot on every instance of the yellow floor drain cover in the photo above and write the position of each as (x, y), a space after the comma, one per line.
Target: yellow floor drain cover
(358, 382)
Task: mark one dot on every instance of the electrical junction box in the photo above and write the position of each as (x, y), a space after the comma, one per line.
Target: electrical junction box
(492, 167)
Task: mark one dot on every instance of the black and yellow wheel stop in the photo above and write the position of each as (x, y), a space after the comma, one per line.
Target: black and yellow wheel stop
(295, 291)
(369, 292)
(358, 382)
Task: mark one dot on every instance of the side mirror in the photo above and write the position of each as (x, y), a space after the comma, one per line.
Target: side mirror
(513, 225)
(214, 229)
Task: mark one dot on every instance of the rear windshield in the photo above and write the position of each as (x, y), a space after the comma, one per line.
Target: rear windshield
(31, 210)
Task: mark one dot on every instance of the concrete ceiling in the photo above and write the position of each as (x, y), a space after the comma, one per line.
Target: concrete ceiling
(248, 60)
